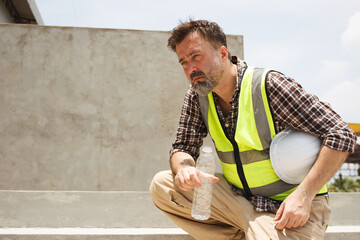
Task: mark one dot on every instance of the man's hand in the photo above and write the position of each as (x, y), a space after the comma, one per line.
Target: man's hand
(189, 177)
(294, 212)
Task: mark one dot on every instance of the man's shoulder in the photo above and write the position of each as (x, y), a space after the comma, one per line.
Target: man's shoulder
(191, 93)
(191, 97)
(277, 79)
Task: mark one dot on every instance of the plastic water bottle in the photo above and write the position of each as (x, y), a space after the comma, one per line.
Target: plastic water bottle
(201, 207)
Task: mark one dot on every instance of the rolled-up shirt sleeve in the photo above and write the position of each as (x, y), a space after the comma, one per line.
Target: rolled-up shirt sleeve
(293, 106)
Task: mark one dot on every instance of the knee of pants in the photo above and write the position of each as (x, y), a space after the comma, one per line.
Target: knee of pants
(158, 184)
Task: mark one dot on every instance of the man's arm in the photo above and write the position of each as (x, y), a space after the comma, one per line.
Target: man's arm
(295, 210)
(189, 139)
(180, 160)
(186, 175)
(293, 106)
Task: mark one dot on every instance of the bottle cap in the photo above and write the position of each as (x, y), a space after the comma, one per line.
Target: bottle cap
(207, 149)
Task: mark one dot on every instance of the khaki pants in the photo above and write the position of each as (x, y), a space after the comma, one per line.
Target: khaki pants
(232, 216)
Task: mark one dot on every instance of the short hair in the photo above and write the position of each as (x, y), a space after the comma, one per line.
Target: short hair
(211, 31)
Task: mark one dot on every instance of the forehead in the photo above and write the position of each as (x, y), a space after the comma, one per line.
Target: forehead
(192, 42)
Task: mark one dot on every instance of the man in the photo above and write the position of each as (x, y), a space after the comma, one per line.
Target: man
(250, 202)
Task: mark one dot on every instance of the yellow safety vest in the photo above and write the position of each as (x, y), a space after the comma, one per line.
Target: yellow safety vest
(245, 158)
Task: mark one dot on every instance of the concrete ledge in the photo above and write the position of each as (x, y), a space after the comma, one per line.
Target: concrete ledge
(69, 209)
(345, 209)
(343, 232)
(94, 233)
(333, 233)
(99, 209)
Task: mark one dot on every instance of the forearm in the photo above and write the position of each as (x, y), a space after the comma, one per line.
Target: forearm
(180, 160)
(326, 165)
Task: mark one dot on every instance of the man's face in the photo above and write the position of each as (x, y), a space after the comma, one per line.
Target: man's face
(201, 63)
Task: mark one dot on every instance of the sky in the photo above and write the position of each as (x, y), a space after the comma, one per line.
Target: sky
(316, 42)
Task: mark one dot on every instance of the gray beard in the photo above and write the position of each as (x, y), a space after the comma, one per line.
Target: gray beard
(203, 88)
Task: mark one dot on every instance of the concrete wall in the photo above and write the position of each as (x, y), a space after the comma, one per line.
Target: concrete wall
(5, 17)
(87, 109)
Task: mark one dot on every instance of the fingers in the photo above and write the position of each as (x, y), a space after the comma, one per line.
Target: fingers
(290, 222)
(282, 223)
(181, 183)
(289, 219)
(189, 177)
(299, 224)
(294, 211)
(279, 212)
(215, 179)
(282, 217)
(209, 177)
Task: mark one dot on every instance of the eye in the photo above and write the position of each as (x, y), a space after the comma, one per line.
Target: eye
(196, 57)
(183, 64)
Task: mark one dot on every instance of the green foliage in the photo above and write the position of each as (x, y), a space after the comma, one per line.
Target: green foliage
(344, 185)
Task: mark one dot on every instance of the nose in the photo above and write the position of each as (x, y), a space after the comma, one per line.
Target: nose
(191, 68)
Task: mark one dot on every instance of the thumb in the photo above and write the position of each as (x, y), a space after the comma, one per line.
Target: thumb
(279, 212)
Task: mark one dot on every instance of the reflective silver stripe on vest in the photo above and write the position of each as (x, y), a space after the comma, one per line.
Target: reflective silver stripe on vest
(204, 109)
(226, 157)
(245, 157)
(262, 124)
(273, 189)
(254, 156)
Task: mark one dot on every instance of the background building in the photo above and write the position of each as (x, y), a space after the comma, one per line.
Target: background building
(19, 11)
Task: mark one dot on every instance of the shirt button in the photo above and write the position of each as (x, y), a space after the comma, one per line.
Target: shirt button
(226, 125)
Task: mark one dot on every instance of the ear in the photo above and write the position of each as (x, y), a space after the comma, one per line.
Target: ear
(224, 53)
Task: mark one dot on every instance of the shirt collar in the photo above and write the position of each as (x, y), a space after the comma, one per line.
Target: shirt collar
(241, 67)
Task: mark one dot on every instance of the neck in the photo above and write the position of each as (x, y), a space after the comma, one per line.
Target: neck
(226, 87)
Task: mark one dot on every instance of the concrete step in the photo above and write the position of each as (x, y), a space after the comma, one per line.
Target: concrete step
(97, 209)
(333, 233)
(343, 232)
(94, 233)
(122, 215)
(79, 209)
(345, 209)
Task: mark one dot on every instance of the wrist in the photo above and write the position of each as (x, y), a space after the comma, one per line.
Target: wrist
(307, 191)
(181, 160)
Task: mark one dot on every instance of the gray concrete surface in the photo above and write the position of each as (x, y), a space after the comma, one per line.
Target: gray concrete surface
(87, 109)
(133, 234)
(129, 215)
(99, 209)
(342, 232)
(105, 209)
(345, 209)
(328, 236)
(97, 237)
(95, 233)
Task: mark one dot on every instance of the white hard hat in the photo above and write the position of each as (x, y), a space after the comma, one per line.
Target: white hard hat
(293, 153)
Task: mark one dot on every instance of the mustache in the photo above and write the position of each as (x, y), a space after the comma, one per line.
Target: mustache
(197, 74)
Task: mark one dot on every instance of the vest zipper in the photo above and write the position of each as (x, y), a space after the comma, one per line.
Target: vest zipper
(239, 166)
(240, 169)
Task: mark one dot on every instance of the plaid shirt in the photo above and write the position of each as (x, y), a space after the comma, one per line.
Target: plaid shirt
(290, 105)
